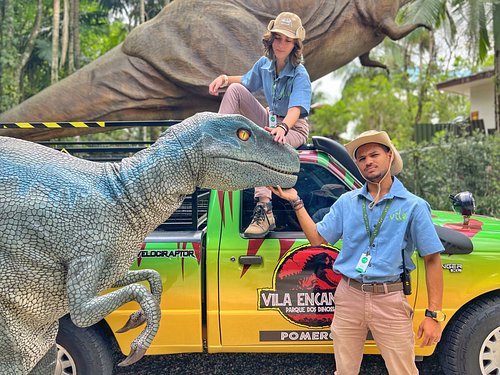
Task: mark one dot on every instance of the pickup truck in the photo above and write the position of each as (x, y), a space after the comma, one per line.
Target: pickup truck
(223, 292)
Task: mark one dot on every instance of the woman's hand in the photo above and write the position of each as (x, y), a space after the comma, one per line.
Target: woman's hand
(278, 133)
(213, 88)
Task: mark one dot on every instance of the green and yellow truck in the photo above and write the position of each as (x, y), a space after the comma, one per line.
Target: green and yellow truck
(223, 292)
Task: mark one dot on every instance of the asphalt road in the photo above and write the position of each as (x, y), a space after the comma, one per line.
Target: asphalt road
(258, 364)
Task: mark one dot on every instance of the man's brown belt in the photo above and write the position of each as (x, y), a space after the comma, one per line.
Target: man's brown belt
(374, 288)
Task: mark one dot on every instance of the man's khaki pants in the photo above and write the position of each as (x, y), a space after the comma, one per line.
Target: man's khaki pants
(387, 316)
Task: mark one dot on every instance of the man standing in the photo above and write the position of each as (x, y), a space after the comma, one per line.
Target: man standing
(381, 225)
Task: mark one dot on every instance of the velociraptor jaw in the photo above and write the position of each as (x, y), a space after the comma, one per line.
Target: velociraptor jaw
(134, 355)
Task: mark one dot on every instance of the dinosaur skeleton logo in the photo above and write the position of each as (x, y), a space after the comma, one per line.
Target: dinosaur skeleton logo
(304, 286)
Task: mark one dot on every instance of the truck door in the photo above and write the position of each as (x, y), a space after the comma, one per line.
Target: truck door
(278, 291)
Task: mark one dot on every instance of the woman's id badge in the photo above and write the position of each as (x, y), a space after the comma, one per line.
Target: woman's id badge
(272, 120)
(363, 262)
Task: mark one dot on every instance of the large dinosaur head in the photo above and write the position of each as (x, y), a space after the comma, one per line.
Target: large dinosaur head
(233, 153)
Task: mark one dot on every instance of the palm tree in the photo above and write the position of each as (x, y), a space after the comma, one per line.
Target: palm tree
(55, 42)
(473, 16)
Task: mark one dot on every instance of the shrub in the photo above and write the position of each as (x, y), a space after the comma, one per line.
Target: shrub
(450, 164)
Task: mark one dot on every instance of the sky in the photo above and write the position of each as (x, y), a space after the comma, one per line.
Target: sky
(331, 85)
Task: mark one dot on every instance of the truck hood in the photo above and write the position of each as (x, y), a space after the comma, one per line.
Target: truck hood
(482, 231)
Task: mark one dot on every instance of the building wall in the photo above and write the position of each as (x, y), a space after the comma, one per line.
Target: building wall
(482, 100)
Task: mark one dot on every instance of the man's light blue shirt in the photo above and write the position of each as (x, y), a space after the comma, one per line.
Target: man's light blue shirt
(407, 225)
(292, 87)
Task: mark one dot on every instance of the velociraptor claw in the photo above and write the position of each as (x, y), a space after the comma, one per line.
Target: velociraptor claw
(135, 320)
(133, 357)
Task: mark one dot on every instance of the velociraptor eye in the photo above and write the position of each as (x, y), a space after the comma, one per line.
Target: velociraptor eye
(243, 134)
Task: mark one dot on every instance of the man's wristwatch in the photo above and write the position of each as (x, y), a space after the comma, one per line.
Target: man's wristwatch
(437, 315)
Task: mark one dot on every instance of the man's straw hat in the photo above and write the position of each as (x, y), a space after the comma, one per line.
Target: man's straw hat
(374, 136)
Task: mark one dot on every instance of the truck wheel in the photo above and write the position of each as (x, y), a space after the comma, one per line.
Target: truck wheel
(471, 341)
(82, 351)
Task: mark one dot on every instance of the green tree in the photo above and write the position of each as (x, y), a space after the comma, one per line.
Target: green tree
(450, 164)
(16, 48)
(372, 100)
(472, 16)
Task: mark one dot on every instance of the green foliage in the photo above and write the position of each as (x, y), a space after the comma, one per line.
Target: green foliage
(97, 39)
(98, 34)
(374, 100)
(451, 164)
(8, 56)
(331, 120)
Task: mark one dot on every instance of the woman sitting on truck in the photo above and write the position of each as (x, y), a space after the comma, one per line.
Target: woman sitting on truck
(287, 89)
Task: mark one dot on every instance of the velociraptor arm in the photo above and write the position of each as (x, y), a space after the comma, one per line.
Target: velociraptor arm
(87, 308)
(154, 279)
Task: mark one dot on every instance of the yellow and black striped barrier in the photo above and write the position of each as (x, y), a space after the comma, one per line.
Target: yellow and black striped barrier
(52, 125)
(84, 124)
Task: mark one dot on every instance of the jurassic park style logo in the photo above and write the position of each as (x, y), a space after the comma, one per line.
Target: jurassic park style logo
(303, 286)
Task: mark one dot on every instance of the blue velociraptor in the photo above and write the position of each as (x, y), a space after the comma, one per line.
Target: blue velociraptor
(71, 228)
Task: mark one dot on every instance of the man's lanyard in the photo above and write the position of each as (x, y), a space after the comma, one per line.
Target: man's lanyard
(372, 235)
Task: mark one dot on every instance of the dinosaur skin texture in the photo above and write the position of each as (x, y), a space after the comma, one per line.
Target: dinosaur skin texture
(70, 228)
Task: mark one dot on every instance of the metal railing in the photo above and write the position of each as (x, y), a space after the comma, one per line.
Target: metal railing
(425, 132)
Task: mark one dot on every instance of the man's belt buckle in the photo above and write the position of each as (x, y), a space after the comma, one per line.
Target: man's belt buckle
(369, 286)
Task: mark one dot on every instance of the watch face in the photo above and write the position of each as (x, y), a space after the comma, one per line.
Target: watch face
(439, 316)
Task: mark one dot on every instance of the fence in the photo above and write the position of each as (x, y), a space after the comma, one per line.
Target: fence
(425, 132)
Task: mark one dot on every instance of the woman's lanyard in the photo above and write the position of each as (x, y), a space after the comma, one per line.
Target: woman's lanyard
(274, 94)
(372, 235)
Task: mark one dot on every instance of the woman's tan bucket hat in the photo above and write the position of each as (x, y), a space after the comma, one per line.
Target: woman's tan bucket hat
(288, 24)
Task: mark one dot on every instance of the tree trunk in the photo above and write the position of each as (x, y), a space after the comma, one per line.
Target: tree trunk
(142, 19)
(30, 44)
(496, 35)
(65, 34)
(54, 68)
(77, 33)
(406, 64)
(71, 48)
(424, 79)
(142, 11)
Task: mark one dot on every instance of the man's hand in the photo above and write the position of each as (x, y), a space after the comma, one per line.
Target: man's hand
(430, 332)
(287, 194)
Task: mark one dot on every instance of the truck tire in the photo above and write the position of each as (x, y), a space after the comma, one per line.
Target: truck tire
(82, 351)
(471, 342)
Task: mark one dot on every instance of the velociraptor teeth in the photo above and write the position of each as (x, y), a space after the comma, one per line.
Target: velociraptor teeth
(135, 320)
(134, 355)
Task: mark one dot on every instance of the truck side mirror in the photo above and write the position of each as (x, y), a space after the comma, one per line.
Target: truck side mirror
(463, 203)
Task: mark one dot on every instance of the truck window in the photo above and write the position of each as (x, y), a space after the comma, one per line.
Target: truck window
(317, 187)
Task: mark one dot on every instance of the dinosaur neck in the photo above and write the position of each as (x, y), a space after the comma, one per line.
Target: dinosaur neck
(154, 181)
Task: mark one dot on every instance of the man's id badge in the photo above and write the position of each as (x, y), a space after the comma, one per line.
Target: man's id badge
(363, 262)
(272, 120)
